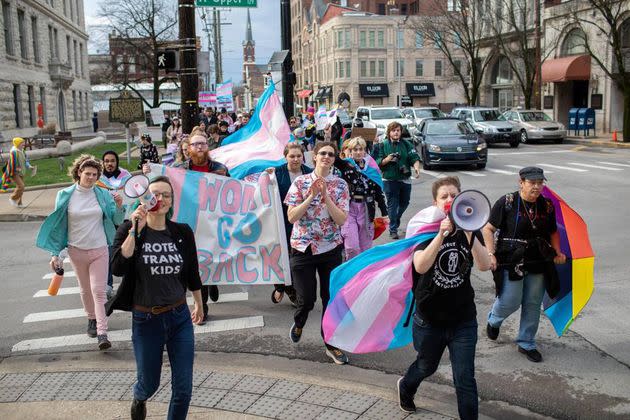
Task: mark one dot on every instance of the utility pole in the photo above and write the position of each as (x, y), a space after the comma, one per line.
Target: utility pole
(538, 83)
(288, 77)
(218, 63)
(188, 75)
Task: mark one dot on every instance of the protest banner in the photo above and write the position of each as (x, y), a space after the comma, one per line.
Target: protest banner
(157, 116)
(238, 225)
(207, 98)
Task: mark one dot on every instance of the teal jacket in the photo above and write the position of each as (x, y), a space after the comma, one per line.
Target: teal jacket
(53, 234)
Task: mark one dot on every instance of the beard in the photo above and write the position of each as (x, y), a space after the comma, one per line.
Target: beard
(198, 157)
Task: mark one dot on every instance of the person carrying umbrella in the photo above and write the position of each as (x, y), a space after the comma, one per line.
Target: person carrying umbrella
(524, 258)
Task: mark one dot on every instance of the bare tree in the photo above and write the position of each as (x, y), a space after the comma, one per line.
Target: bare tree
(611, 22)
(456, 29)
(144, 26)
(513, 25)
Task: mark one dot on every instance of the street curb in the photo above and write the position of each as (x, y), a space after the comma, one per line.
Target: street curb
(19, 217)
(598, 143)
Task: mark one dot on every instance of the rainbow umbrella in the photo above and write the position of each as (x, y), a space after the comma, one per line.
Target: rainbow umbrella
(576, 276)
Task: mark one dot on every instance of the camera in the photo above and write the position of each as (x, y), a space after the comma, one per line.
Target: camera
(395, 157)
(404, 171)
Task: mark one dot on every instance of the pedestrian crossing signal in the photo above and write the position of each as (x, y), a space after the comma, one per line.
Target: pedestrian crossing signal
(166, 60)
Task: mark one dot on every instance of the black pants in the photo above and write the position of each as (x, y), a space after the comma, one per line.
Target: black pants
(205, 291)
(304, 266)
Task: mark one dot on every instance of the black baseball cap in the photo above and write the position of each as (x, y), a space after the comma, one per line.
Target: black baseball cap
(532, 173)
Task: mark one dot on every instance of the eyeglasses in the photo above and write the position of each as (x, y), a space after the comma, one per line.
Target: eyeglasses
(329, 154)
(199, 144)
(164, 195)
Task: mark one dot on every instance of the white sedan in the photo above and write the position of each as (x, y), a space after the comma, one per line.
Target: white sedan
(534, 125)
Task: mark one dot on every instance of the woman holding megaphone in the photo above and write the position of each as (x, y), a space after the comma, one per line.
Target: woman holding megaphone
(445, 314)
(157, 259)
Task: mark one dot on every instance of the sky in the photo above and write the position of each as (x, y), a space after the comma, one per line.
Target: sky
(265, 30)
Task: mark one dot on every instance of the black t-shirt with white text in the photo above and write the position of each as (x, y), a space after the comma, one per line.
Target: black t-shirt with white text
(517, 219)
(159, 267)
(444, 295)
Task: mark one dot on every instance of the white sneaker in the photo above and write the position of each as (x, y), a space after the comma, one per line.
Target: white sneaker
(13, 203)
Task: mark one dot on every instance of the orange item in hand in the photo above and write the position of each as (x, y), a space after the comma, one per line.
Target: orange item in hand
(55, 282)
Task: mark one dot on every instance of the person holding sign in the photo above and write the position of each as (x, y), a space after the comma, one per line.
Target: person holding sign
(286, 174)
(157, 259)
(318, 206)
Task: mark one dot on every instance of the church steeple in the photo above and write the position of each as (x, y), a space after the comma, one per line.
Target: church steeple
(248, 30)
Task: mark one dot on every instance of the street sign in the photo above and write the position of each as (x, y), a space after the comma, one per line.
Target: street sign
(166, 60)
(226, 3)
(126, 109)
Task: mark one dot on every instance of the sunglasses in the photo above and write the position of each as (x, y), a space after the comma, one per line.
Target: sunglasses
(329, 154)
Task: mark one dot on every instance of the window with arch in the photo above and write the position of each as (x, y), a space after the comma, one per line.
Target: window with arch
(573, 43)
(502, 72)
(625, 34)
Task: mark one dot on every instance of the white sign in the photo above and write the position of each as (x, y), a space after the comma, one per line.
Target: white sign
(239, 227)
(157, 116)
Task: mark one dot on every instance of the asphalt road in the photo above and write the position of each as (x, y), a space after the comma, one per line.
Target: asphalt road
(586, 373)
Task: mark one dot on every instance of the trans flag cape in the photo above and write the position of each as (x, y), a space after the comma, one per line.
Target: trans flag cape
(371, 296)
(371, 169)
(260, 144)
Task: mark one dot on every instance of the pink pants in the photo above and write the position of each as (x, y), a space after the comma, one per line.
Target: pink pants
(91, 266)
(357, 232)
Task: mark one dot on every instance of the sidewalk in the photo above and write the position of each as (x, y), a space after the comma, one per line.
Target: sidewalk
(599, 141)
(98, 385)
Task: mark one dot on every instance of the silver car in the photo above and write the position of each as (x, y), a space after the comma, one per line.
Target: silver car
(534, 125)
(417, 115)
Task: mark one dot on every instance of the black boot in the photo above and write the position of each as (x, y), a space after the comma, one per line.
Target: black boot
(138, 410)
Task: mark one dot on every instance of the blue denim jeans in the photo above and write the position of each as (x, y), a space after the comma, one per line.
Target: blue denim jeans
(398, 195)
(430, 342)
(149, 334)
(528, 295)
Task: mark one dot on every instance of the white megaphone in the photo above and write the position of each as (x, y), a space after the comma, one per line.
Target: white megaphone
(138, 187)
(469, 211)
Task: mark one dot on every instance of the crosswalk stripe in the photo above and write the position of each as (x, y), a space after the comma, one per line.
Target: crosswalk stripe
(471, 173)
(125, 335)
(61, 291)
(562, 167)
(529, 153)
(500, 171)
(521, 167)
(66, 274)
(79, 313)
(433, 173)
(595, 166)
(615, 164)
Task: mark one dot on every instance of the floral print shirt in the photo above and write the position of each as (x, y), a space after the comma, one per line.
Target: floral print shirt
(316, 227)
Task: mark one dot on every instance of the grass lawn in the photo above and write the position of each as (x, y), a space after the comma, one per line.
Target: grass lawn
(48, 171)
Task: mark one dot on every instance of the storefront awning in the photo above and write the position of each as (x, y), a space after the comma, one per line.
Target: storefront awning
(420, 89)
(575, 67)
(320, 93)
(304, 93)
(374, 90)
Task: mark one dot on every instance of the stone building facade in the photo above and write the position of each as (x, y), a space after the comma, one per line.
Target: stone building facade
(43, 46)
(376, 59)
(571, 78)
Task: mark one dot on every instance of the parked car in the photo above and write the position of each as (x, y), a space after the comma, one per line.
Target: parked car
(380, 116)
(451, 141)
(417, 115)
(489, 123)
(535, 125)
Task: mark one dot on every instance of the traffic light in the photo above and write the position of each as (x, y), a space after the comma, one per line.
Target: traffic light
(166, 60)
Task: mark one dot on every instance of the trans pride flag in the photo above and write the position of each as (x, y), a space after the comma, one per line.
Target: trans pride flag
(260, 144)
(371, 296)
(371, 170)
